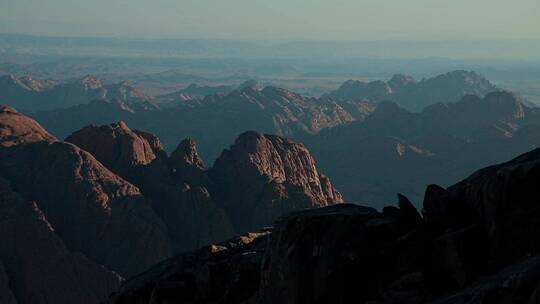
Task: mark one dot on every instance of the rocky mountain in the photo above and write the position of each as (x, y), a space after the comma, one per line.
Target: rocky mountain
(106, 204)
(263, 176)
(259, 178)
(415, 95)
(27, 93)
(394, 150)
(185, 205)
(474, 243)
(89, 207)
(36, 266)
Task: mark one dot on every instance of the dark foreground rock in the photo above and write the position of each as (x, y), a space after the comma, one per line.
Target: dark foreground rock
(228, 272)
(35, 264)
(476, 243)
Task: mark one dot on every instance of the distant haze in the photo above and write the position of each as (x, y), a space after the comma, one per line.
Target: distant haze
(276, 19)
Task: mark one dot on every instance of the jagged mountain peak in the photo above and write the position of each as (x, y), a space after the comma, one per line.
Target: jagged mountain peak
(186, 153)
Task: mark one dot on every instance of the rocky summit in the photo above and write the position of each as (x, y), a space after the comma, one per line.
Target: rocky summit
(474, 243)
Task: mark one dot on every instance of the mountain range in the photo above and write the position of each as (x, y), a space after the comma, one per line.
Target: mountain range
(80, 215)
(370, 149)
(415, 95)
(216, 119)
(115, 214)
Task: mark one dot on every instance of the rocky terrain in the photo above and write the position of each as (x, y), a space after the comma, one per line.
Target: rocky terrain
(106, 204)
(475, 242)
(415, 95)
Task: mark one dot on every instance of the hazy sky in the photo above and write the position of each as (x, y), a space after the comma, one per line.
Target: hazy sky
(276, 19)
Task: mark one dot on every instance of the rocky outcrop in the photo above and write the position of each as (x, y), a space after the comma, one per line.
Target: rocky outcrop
(262, 177)
(93, 210)
(228, 272)
(476, 243)
(313, 255)
(483, 225)
(518, 283)
(35, 264)
(6, 295)
(186, 164)
(503, 197)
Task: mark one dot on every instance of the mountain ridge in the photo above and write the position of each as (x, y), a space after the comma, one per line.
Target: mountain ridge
(415, 95)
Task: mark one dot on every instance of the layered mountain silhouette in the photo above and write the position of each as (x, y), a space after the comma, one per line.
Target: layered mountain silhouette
(415, 95)
(79, 215)
(89, 217)
(371, 150)
(474, 243)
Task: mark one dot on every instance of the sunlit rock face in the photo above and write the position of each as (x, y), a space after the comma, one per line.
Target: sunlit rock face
(261, 177)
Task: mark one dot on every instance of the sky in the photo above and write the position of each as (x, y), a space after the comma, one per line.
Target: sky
(276, 19)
